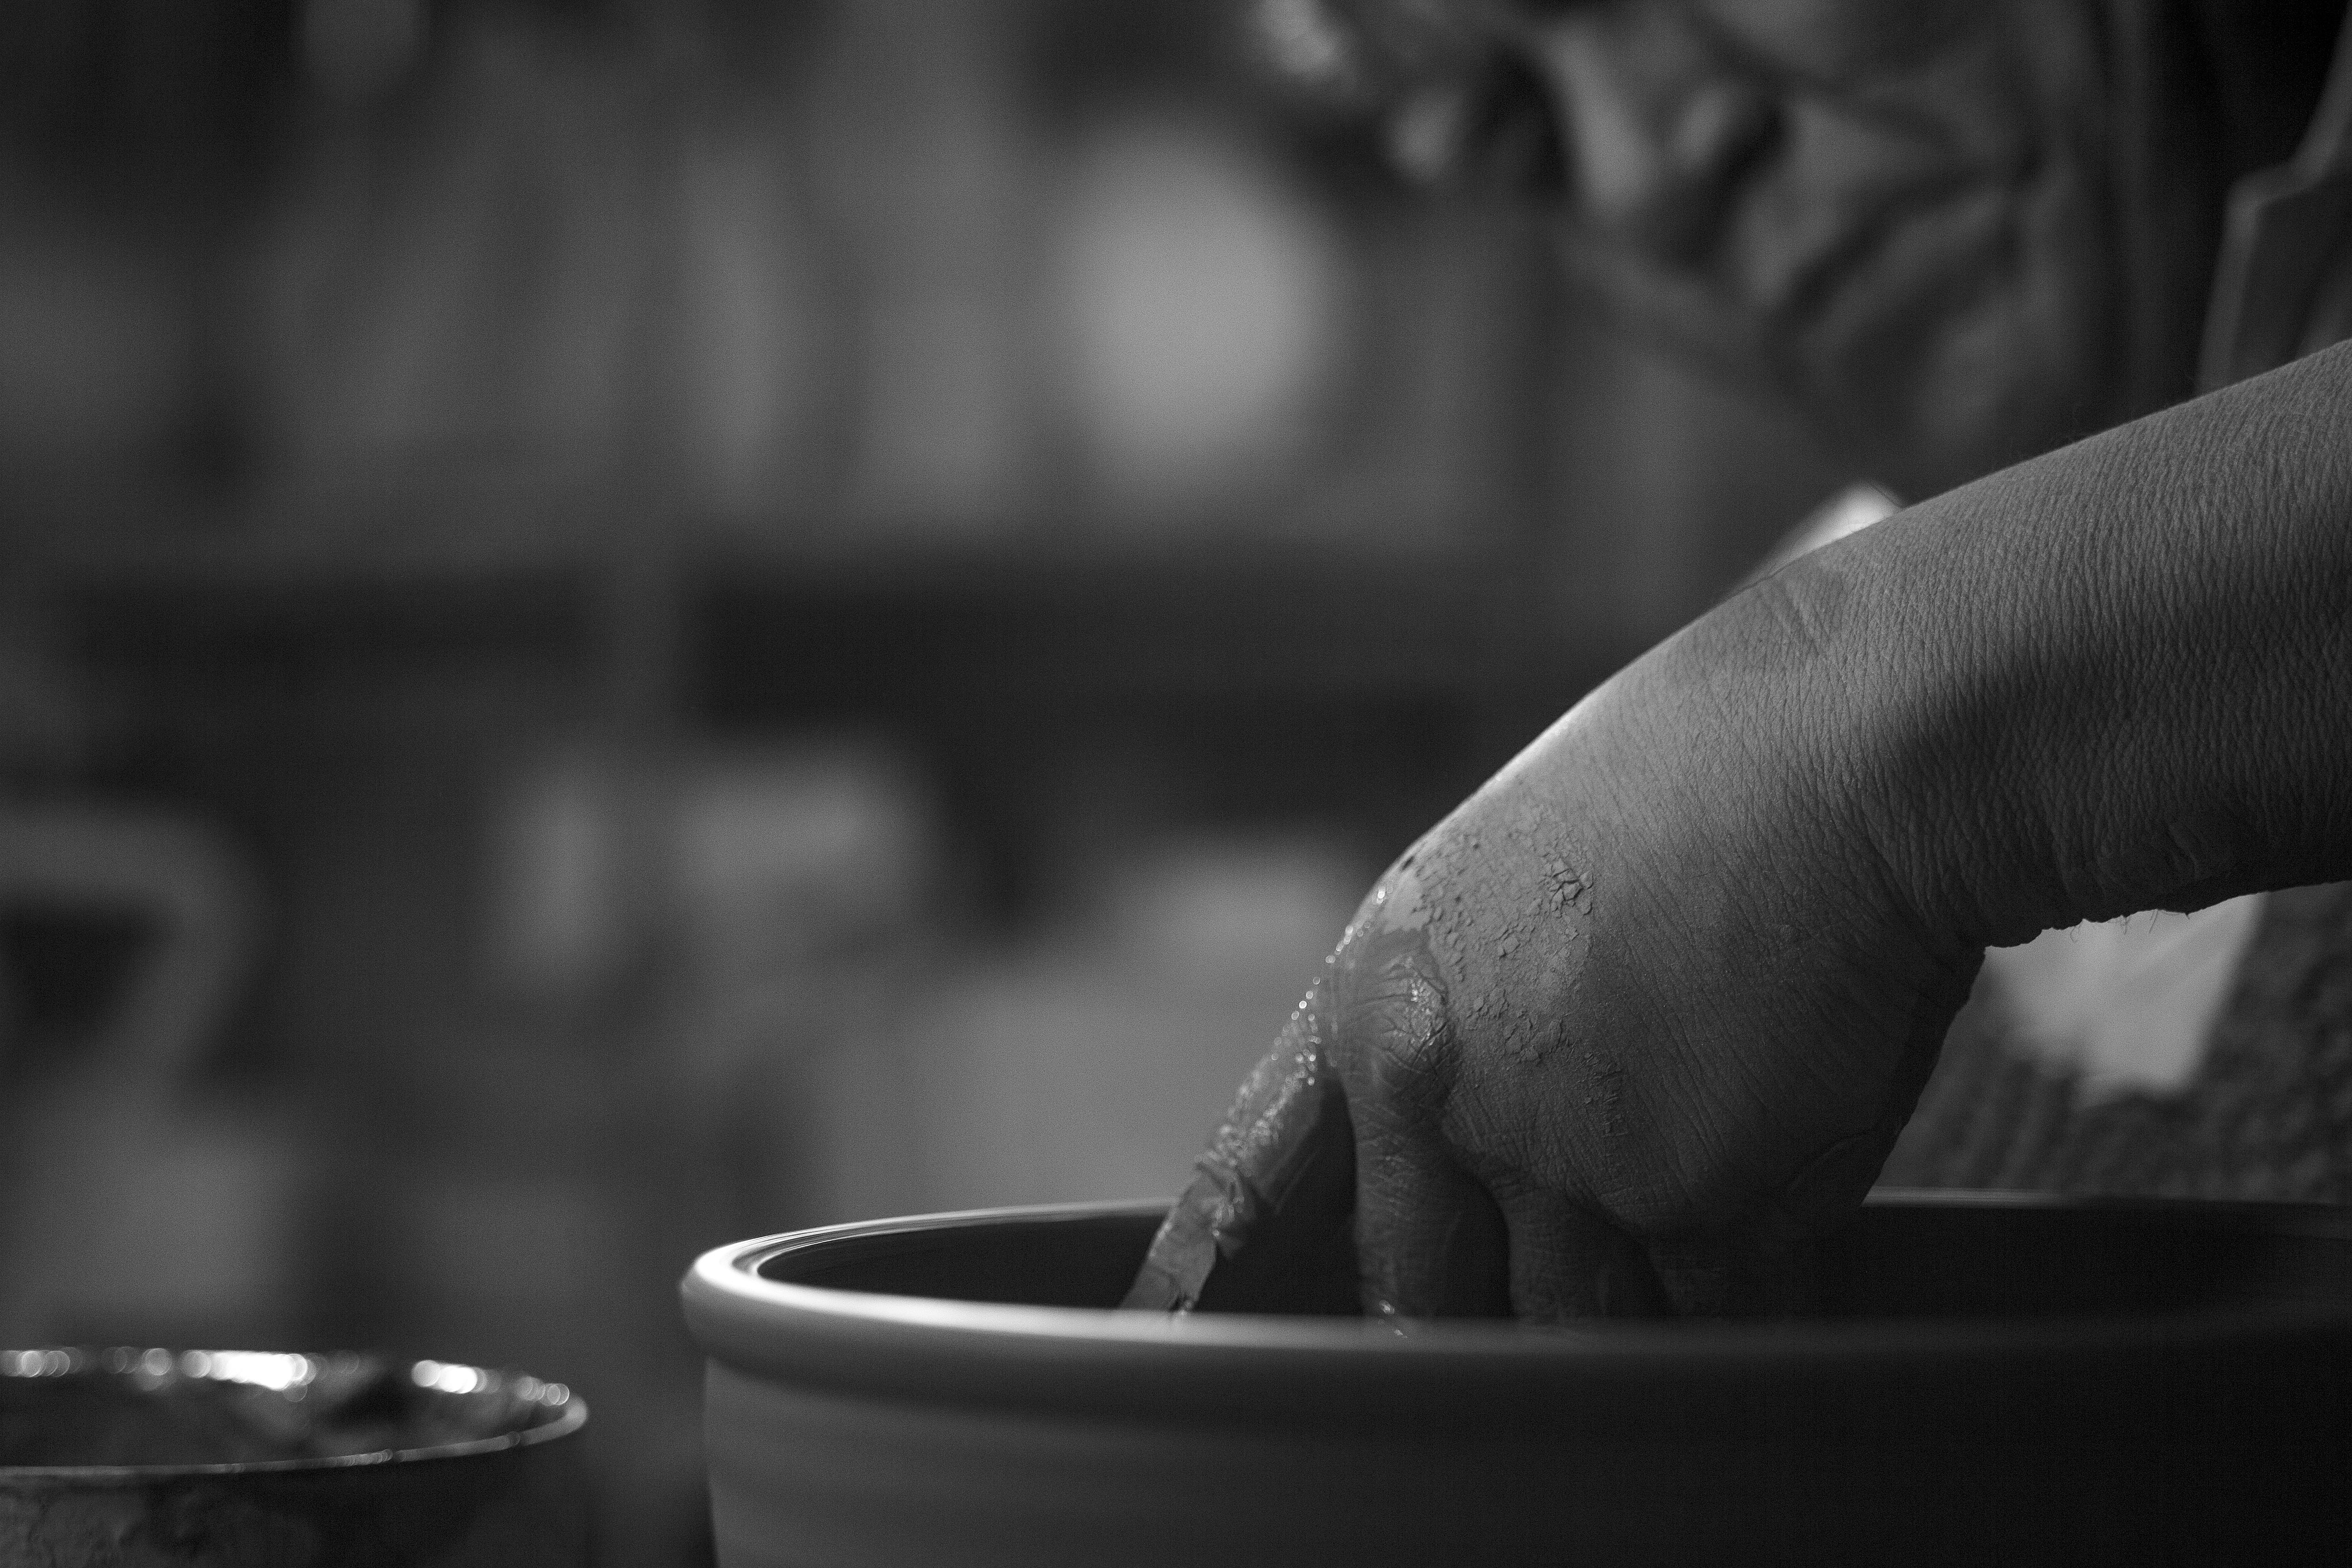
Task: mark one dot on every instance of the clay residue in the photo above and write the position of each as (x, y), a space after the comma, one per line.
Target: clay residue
(1507, 902)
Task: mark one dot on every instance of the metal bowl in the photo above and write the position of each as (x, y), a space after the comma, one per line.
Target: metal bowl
(1992, 1379)
(139, 1459)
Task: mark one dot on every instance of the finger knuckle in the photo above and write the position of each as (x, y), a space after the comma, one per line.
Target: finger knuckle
(1413, 1062)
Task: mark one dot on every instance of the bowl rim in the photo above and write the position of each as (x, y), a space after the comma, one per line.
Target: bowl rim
(2242, 1369)
(734, 1271)
(572, 1416)
(824, 1338)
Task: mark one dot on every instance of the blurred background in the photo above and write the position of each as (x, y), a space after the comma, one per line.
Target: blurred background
(630, 622)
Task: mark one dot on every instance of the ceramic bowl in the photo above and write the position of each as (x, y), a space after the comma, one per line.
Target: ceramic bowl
(142, 1459)
(1991, 1380)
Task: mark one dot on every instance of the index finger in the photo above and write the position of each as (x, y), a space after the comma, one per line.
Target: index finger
(1265, 1225)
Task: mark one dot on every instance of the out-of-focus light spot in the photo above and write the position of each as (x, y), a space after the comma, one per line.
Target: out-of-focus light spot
(446, 1378)
(196, 1363)
(1429, 133)
(1300, 37)
(358, 49)
(118, 1359)
(156, 1362)
(265, 1368)
(1204, 302)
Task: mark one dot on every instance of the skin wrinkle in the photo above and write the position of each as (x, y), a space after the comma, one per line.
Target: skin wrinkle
(2200, 488)
(1906, 835)
(1654, 1176)
(1698, 1152)
(1792, 613)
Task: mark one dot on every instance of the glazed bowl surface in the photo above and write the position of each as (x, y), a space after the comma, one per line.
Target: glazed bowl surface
(130, 1457)
(1990, 1379)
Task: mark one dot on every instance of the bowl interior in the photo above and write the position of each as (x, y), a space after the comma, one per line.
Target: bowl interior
(1904, 1256)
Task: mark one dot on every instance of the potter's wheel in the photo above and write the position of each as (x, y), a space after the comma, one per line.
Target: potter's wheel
(1992, 1379)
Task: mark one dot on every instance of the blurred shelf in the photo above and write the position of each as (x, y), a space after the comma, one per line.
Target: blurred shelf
(1246, 682)
(758, 633)
(264, 601)
(1102, 623)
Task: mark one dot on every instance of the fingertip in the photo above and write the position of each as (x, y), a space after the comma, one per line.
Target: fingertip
(1568, 1265)
(1429, 1241)
(1263, 1225)
(1183, 1252)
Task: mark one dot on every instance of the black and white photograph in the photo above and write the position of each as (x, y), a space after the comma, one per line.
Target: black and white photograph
(1175, 784)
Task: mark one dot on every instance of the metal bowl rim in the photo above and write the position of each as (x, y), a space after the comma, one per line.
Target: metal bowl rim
(572, 1417)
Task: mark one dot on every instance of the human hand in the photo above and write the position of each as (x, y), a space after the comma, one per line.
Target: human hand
(1617, 1037)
